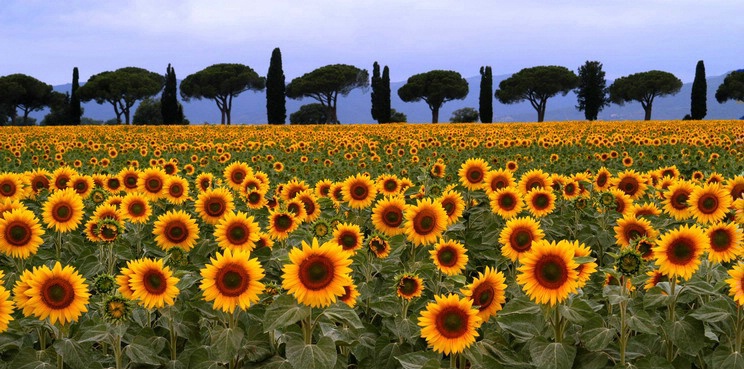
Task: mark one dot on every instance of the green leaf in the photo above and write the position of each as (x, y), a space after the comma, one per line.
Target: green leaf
(419, 360)
(342, 313)
(578, 312)
(405, 328)
(653, 362)
(501, 353)
(276, 362)
(141, 354)
(226, 342)
(28, 358)
(97, 333)
(552, 355)
(313, 356)
(640, 321)
(283, 312)
(655, 298)
(598, 338)
(714, 311)
(74, 355)
(591, 360)
(687, 334)
(723, 357)
(201, 359)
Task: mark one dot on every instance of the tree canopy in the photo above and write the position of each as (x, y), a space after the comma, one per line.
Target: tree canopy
(326, 83)
(20, 91)
(276, 103)
(732, 87)
(434, 87)
(485, 99)
(309, 114)
(465, 115)
(644, 87)
(121, 88)
(536, 85)
(591, 90)
(171, 111)
(221, 83)
(699, 94)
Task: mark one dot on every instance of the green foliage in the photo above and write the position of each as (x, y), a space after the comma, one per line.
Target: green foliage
(485, 99)
(397, 117)
(171, 111)
(732, 88)
(591, 91)
(699, 95)
(148, 112)
(76, 110)
(381, 94)
(326, 83)
(434, 87)
(121, 88)
(465, 115)
(644, 87)
(19, 91)
(221, 83)
(276, 102)
(536, 85)
(310, 114)
(60, 110)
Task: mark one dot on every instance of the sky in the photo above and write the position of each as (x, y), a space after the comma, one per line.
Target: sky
(47, 38)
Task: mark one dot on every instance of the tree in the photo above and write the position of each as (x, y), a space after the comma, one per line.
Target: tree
(121, 88)
(699, 95)
(434, 87)
(326, 83)
(19, 91)
(591, 91)
(171, 111)
(276, 102)
(397, 117)
(310, 114)
(465, 115)
(536, 85)
(60, 110)
(732, 87)
(380, 94)
(149, 112)
(644, 87)
(76, 110)
(485, 100)
(221, 83)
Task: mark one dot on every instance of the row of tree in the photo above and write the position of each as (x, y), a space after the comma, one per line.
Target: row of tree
(221, 83)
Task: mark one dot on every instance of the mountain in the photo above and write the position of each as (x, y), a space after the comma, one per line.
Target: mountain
(250, 107)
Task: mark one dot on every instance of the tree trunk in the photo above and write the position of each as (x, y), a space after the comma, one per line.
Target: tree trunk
(647, 110)
(541, 114)
(435, 115)
(126, 116)
(228, 108)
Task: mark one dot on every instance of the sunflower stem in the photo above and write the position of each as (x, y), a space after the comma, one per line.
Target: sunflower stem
(307, 329)
(58, 245)
(623, 324)
(453, 360)
(117, 351)
(557, 324)
(173, 336)
(60, 359)
(672, 316)
(738, 328)
(42, 338)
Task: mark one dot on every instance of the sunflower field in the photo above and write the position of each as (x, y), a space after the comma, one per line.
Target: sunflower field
(552, 245)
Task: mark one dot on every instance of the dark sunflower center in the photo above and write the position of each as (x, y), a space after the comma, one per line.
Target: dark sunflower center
(153, 185)
(237, 176)
(254, 197)
(634, 231)
(61, 182)
(80, 187)
(176, 232)
(474, 175)
(521, 240)
(17, 234)
(40, 183)
(62, 212)
(232, 280)
(316, 272)
(447, 256)
(541, 201)
(136, 209)
(113, 183)
(408, 286)
(108, 233)
(452, 322)
(283, 222)
(679, 201)
(393, 217)
(294, 208)
(681, 251)
(497, 184)
(176, 190)
(629, 186)
(7, 189)
(57, 293)
(237, 234)
(570, 189)
(424, 222)
(309, 205)
(708, 204)
(215, 207)
(204, 184)
(720, 240)
(507, 202)
(391, 185)
(551, 272)
(130, 181)
(602, 180)
(645, 248)
(449, 207)
(154, 282)
(737, 191)
(359, 192)
(534, 183)
(483, 296)
(348, 240)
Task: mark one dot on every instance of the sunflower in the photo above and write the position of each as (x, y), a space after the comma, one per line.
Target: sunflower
(453, 205)
(570, 189)
(487, 292)
(498, 179)
(297, 208)
(655, 277)
(323, 188)
(350, 295)
(310, 203)
(335, 193)
(59, 294)
(63, 210)
(264, 241)
(437, 170)
(631, 183)
(602, 180)
(549, 273)
(123, 279)
(175, 229)
(736, 283)
(585, 270)
(83, 185)
(213, 204)
(518, 235)
(129, 177)
(237, 231)
(20, 233)
(725, 242)
(678, 251)
(387, 215)
(152, 283)
(388, 184)
(534, 179)
(379, 246)
(449, 257)
(645, 246)
(235, 173)
(317, 274)
(506, 202)
(11, 187)
(136, 208)
(176, 190)
(39, 180)
(255, 199)
(619, 201)
(232, 279)
(409, 286)
(676, 200)
(292, 188)
(204, 181)
(645, 209)
(629, 228)
(19, 291)
(425, 222)
(709, 204)
(112, 184)
(61, 176)
(281, 224)
(6, 309)
(735, 187)
(151, 183)
(449, 325)
(359, 191)
(349, 236)
(540, 202)
(472, 173)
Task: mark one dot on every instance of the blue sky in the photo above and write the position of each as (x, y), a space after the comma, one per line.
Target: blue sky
(46, 39)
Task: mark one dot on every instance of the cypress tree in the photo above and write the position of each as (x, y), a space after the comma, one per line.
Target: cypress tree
(699, 95)
(76, 111)
(375, 95)
(485, 101)
(385, 111)
(276, 103)
(169, 106)
(591, 92)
